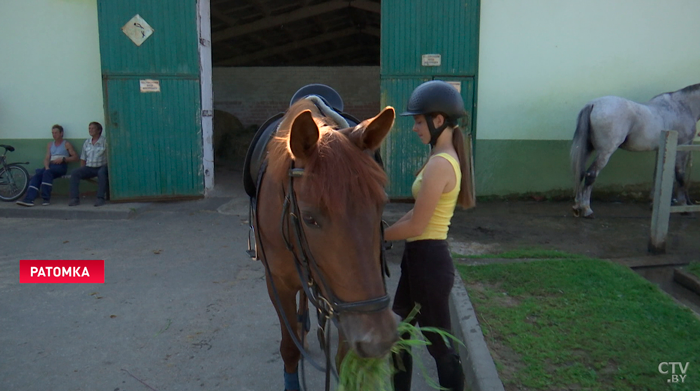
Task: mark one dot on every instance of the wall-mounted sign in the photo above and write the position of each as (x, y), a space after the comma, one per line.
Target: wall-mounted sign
(456, 84)
(148, 85)
(430, 60)
(137, 30)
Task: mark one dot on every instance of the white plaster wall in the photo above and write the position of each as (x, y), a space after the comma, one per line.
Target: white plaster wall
(540, 61)
(49, 68)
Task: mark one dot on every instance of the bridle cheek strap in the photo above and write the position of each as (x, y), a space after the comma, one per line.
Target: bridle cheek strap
(330, 306)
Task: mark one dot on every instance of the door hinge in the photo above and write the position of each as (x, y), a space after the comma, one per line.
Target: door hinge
(207, 113)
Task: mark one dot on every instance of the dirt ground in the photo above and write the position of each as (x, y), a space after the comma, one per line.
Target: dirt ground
(619, 232)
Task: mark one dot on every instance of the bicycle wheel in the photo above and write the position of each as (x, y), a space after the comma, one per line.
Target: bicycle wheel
(13, 182)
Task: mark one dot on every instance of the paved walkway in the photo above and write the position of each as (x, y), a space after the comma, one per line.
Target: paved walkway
(182, 306)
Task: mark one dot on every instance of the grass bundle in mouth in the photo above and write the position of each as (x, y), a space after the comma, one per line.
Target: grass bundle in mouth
(375, 374)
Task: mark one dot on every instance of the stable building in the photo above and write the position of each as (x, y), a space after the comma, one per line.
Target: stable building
(156, 74)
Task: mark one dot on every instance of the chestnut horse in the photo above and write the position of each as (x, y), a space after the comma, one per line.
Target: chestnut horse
(318, 228)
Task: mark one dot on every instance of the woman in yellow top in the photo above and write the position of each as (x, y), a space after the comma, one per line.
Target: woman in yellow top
(427, 270)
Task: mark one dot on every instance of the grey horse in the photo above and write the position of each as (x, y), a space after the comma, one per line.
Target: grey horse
(608, 123)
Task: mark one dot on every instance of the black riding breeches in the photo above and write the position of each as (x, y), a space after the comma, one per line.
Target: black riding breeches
(427, 276)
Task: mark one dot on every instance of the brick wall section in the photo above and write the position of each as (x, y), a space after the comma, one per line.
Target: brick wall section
(253, 94)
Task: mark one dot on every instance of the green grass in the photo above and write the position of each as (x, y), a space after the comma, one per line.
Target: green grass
(523, 254)
(363, 374)
(694, 269)
(577, 323)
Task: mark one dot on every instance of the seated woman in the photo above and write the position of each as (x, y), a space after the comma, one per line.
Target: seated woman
(58, 154)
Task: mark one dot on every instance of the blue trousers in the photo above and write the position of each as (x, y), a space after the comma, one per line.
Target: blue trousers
(43, 179)
(86, 173)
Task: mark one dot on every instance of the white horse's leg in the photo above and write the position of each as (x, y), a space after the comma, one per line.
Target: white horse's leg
(578, 200)
(682, 196)
(601, 161)
(579, 197)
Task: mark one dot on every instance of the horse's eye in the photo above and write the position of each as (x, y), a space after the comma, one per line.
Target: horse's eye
(310, 221)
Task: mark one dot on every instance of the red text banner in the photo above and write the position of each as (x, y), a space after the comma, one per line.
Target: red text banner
(61, 272)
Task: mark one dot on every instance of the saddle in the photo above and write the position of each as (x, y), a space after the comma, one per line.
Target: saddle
(329, 103)
(325, 98)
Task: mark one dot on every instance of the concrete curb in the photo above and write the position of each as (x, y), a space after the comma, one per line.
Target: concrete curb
(479, 368)
(687, 280)
(64, 212)
(68, 214)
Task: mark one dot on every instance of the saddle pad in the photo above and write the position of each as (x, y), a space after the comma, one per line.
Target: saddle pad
(256, 151)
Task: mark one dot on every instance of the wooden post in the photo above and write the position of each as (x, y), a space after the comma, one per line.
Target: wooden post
(663, 190)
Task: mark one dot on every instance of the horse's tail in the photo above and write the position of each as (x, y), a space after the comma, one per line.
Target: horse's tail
(581, 146)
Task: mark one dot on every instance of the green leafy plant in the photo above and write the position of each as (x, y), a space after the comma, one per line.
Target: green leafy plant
(357, 373)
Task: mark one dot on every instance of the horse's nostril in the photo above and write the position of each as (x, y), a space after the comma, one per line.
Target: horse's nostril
(359, 349)
(372, 350)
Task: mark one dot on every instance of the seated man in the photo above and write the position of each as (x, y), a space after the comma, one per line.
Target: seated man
(93, 163)
(58, 154)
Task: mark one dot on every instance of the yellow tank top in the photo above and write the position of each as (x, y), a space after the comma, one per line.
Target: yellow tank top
(440, 221)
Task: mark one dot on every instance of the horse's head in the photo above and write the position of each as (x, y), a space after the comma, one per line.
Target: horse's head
(340, 198)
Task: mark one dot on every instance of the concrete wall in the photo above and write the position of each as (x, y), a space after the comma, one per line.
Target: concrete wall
(540, 61)
(50, 68)
(253, 94)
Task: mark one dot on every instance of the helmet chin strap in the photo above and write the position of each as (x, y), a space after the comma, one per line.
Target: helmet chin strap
(434, 133)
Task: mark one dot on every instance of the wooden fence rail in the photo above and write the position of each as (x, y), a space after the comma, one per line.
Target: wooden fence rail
(663, 190)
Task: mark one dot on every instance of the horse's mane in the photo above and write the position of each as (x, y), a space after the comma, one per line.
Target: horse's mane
(685, 90)
(690, 89)
(336, 174)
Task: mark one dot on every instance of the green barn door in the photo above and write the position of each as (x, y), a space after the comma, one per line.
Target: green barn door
(465, 86)
(151, 85)
(403, 151)
(424, 40)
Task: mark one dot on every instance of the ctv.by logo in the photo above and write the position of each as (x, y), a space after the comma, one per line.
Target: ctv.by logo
(675, 378)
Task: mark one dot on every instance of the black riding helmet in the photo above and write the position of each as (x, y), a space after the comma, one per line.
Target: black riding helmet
(433, 97)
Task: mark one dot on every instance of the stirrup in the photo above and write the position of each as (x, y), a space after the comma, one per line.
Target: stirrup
(252, 250)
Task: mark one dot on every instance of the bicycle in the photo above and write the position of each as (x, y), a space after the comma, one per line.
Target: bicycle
(14, 179)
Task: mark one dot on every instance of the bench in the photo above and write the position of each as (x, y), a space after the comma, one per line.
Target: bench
(92, 180)
(67, 176)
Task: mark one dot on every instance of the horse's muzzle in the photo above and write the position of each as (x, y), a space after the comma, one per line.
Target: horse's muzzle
(370, 335)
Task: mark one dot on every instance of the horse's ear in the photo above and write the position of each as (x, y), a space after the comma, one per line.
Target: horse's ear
(303, 135)
(376, 129)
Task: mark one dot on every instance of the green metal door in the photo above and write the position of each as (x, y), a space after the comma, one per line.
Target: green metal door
(403, 152)
(414, 28)
(151, 85)
(424, 40)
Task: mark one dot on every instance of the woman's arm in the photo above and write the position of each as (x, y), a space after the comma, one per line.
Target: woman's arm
(434, 182)
(406, 216)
